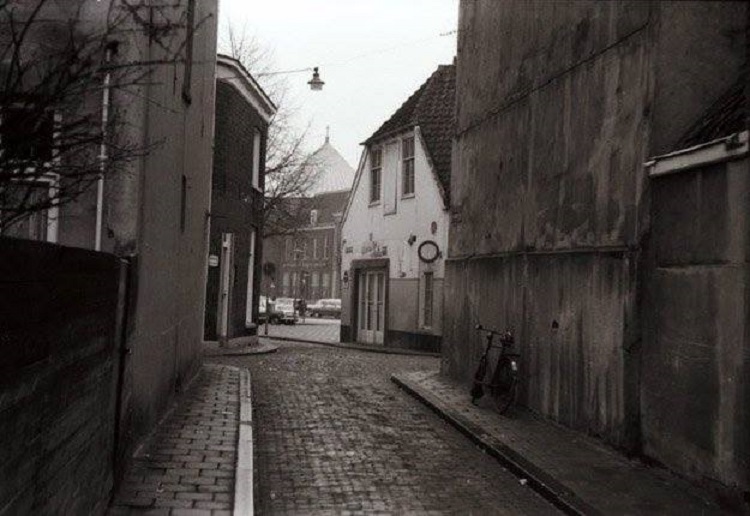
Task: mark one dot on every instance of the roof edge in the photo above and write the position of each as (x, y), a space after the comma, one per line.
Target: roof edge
(233, 72)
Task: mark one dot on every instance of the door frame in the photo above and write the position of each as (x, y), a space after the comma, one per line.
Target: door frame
(226, 281)
(371, 265)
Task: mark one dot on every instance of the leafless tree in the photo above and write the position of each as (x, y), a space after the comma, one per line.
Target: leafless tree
(59, 65)
(291, 171)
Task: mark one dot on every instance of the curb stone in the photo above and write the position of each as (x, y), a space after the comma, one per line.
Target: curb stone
(368, 349)
(260, 349)
(243, 478)
(544, 484)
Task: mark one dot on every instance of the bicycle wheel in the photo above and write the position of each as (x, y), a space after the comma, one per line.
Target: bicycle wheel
(476, 390)
(504, 387)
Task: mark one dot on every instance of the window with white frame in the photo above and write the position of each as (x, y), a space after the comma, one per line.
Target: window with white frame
(315, 252)
(28, 207)
(376, 174)
(313, 217)
(256, 158)
(407, 166)
(427, 299)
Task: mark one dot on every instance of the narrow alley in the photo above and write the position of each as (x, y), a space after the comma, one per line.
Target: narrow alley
(334, 435)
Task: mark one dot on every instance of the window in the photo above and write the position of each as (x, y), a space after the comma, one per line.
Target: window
(289, 249)
(376, 163)
(313, 217)
(314, 279)
(26, 134)
(316, 254)
(256, 159)
(28, 203)
(324, 280)
(183, 203)
(187, 96)
(325, 247)
(303, 250)
(407, 166)
(428, 299)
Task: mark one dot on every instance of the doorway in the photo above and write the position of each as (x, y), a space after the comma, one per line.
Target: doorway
(371, 306)
(225, 287)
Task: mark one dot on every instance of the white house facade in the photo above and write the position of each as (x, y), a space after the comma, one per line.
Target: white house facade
(395, 227)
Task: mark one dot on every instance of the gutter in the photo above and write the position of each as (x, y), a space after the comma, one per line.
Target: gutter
(734, 146)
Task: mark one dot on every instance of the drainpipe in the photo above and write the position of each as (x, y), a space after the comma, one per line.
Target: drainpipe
(102, 153)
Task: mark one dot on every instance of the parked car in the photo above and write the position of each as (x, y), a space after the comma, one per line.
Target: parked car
(325, 308)
(273, 315)
(285, 307)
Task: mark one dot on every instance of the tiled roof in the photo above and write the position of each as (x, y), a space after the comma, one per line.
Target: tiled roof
(432, 108)
(724, 117)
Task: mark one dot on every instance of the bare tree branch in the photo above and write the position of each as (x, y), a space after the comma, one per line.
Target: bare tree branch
(56, 61)
(290, 171)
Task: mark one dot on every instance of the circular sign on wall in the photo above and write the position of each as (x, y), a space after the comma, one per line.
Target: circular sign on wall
(428, 251)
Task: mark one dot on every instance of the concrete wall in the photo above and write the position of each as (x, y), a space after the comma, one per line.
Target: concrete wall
(366, 224)
(696, 358)
(144, 218)
(558, 106)
(58, 377)
(236, 207)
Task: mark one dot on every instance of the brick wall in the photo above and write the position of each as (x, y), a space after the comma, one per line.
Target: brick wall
(236, 207)
(58, 311)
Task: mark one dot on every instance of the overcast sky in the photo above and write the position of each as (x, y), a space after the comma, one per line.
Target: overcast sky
(372, 55)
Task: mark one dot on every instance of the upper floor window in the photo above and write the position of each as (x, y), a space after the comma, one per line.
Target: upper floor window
(289, 248)
(256, 158)
(313, 217)
(326, 251)
(26, 134)
(376, 174)
(407, 166)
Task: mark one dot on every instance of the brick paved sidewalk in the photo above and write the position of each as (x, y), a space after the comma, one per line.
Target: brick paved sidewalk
(581, 474)
(188, 465)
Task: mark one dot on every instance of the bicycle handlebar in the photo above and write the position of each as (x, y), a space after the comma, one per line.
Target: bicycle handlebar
(507, 334)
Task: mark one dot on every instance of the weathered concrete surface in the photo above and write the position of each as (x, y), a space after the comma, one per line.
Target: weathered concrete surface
(696, 359)
(568, 317)
(558, 106)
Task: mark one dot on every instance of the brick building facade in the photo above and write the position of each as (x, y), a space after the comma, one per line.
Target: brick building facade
(243, 112)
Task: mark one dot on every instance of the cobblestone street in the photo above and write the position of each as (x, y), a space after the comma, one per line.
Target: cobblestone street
(334, 435)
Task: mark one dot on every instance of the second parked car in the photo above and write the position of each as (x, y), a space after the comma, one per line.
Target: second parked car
(325, 308)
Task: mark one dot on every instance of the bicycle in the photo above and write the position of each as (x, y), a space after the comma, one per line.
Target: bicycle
(503, 384)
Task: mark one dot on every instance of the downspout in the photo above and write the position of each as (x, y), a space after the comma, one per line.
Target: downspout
(102, 154)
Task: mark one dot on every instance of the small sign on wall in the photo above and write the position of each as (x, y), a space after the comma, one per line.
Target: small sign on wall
(213, 260)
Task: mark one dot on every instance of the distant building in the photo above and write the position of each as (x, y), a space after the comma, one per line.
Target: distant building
(243, 112)
(395, 228)
(305, 262)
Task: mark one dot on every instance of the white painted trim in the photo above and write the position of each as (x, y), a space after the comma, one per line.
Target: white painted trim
(355, 184)
(723, 149)
(230, 70)
(250, 281)
(243, 473)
